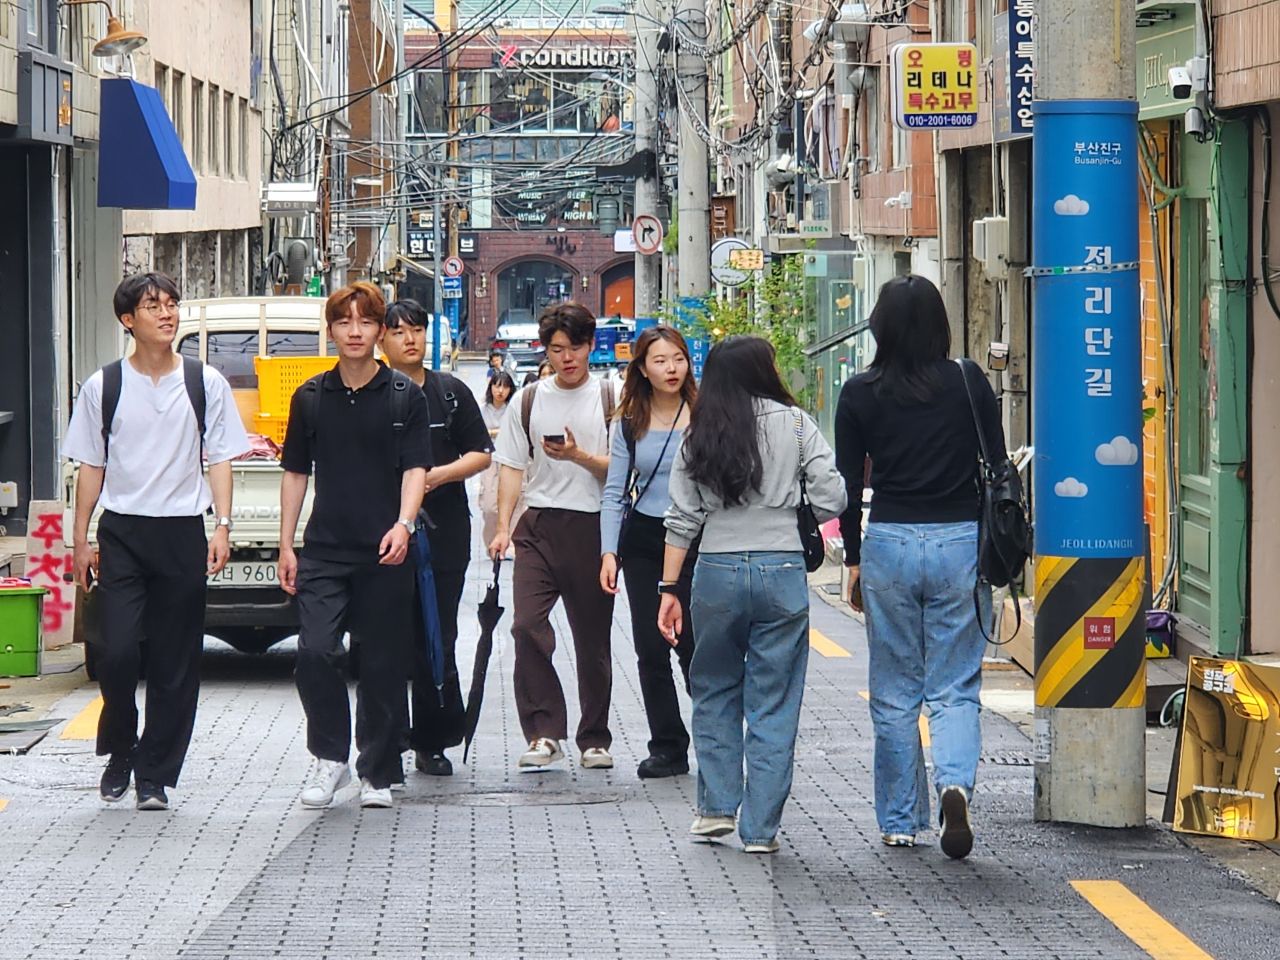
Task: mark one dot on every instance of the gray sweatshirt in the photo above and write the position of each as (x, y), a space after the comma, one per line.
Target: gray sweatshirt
(767, 518)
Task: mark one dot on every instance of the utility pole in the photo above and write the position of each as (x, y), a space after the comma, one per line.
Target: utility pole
(1091, 583)
(645, 27)
(402, 135)
(694, 205)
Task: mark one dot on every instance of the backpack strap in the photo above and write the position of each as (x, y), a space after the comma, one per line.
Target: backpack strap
(526, 413)
(311, 408)
(112, 379)
(400, 384)
(607, 403)
(193, 379)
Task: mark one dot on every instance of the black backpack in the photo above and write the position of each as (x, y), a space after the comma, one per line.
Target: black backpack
(1004, 530)
(400, 385)
(113, 380)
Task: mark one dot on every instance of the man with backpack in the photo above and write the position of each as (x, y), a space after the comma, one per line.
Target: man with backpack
(138, 431)
(364, 428)
(559, 428)
(460, 448)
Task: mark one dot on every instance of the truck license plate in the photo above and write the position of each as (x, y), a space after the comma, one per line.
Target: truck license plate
(254, 574)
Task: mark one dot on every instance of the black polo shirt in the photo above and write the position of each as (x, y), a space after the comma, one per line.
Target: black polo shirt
(357, 484)
(457, 427)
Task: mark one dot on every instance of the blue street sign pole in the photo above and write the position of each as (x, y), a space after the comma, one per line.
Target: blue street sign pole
(1090, 571)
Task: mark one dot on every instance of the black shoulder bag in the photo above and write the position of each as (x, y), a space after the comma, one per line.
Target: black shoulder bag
(815, 552)
(1004, 530)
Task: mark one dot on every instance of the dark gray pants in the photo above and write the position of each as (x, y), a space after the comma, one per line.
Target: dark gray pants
(375, 601)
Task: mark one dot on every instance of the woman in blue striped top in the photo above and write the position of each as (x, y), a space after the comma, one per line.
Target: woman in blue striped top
(656, 401)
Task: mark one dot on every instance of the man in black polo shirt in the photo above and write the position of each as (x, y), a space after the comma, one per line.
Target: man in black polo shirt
(365, 429)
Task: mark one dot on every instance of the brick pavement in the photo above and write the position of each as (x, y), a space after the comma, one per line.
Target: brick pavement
(498, 864)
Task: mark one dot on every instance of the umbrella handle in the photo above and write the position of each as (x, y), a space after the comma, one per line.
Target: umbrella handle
(497, 568)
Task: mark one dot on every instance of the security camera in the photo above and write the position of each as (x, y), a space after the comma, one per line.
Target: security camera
(1180, 82)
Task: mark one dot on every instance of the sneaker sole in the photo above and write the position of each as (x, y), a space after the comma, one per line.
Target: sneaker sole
(715, 833)
(106, 799)
(760, 848)
(536, 763)
(376, 804)
(597, 765)
(957, 834)
(154, 803)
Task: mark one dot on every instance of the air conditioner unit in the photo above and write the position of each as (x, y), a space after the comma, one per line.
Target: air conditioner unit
(299, 259)
(991, 244)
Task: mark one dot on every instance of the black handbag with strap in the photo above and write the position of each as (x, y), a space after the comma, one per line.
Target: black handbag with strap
(1004, 530)
(815, 551)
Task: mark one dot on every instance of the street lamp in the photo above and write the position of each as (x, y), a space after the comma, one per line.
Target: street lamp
(118, 40)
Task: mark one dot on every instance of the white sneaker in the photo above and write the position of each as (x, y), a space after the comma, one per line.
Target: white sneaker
(770, 846)
(377, 798)
(542, 752)
(330, 777)
(597, 758)
(710, 828)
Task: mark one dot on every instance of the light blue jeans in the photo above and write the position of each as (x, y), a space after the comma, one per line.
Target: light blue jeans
(751, 617)
(926, 649)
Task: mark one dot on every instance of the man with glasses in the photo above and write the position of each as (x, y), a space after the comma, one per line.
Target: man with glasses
(138, 431)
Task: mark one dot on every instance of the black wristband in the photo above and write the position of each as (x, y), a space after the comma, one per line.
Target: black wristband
(664, 587)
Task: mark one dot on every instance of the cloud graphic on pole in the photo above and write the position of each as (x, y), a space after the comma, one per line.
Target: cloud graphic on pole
(1070, 487)
(1118, 453)
(1071, 206)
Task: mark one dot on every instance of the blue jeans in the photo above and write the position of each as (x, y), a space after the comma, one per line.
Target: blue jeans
(926, 649)
(751, 617)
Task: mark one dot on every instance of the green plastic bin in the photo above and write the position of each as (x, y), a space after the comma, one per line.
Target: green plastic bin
(21, 613)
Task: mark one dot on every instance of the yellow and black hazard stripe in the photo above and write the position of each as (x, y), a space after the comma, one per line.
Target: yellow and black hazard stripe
(1069, 592)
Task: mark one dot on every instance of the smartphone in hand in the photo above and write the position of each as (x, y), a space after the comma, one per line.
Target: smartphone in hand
(553, 438)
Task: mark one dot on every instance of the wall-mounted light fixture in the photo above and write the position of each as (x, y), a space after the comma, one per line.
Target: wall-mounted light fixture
(118, 40)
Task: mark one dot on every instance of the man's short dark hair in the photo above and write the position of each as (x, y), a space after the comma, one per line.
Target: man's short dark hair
(406, 311)
(572, 319)
(133, 290)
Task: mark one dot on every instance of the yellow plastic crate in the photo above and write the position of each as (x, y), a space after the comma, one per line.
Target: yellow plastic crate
(269, 426)
(279, 377)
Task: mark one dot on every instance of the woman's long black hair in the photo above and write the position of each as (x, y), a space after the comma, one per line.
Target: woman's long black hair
(723, 447)
(912, 334)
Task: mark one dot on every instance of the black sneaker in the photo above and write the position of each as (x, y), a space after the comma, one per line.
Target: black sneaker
(115, 779)
(656, 768)
(432, 764)
(957, 833)
(151, 795)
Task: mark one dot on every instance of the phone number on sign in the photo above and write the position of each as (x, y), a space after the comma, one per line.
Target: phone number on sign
(246, 575)
(942, 120)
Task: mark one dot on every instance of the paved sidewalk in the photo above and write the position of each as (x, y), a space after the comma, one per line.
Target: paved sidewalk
(497, 864)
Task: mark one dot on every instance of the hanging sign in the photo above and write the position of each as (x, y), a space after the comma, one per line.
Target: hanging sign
(1087, 365)
(723, 270)
(1012, 72)
(935, 85)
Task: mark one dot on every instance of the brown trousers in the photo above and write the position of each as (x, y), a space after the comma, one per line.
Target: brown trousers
(558, 557)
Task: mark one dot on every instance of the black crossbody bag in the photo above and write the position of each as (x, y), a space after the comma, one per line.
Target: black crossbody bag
(815, 551)
(1004, 530)
(629, 496)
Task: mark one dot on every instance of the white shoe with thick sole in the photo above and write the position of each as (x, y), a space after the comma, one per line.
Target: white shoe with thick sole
(330, 777)
(597, 758)
(712, 828)
(542, 752)
(770, 847)
(374, 798)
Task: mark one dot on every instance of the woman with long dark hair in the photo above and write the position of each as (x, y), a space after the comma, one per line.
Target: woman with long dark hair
(917, 564)
(736, 481)
(500, 389)
(657, 401)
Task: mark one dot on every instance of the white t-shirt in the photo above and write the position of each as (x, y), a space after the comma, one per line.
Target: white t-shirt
(154, 468)
(556, 483)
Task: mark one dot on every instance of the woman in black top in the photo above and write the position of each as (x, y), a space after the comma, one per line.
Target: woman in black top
(917, 565)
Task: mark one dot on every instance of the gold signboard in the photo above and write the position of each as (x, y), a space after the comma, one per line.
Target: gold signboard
(1229, 768)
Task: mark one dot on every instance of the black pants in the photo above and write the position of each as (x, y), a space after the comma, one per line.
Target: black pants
(376, 602)
(151, 584)
(436, 726)
(642, 549)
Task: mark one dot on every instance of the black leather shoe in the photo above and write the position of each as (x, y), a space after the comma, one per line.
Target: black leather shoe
(655, 768)
(115, 779)
(151, 796)
(433, 764)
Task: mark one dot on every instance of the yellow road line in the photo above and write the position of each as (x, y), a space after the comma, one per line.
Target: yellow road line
(924, 724)
(1137, 921)
(3, 803)
(826, 647)
(84, 725)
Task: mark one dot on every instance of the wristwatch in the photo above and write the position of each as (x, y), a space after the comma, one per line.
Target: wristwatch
(665, 586)
(225, 522)
(407, 524)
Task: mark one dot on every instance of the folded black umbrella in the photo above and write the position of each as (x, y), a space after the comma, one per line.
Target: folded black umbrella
(488, 613)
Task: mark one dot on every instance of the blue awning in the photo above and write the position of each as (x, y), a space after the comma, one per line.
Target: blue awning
(141, 163)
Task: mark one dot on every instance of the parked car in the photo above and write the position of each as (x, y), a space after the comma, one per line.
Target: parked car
(447, 352)
(518, 340)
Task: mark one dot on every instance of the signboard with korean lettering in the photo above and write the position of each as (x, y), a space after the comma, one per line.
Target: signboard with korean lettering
(1087, 426)
(935, 85)
(1229, 765)
(1012, 72)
